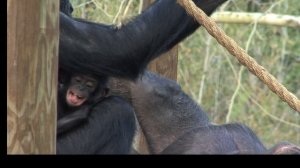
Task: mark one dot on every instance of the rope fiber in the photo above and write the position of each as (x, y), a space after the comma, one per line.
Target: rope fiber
(234, 49)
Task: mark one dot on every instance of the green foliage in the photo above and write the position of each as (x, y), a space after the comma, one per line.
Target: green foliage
(210, 75)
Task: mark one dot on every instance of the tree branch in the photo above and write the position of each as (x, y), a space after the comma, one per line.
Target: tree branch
(260, 18)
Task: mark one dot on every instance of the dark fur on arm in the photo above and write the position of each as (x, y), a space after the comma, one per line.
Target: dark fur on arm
(72, 120)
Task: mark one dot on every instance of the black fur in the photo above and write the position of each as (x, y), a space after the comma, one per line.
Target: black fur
(66, 7)
(173, 123)
(106, 50)
(101, 125)
(109, 129)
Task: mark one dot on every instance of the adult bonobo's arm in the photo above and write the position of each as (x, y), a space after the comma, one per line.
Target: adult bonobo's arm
(125, 52)
(72, 120)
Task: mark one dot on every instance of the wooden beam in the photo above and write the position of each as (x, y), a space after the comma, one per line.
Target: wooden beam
(32, 58)
(260, 18)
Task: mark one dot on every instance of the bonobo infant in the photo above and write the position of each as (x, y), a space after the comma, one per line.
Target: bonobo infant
(76, 96)
(174, 124)
(89, 120)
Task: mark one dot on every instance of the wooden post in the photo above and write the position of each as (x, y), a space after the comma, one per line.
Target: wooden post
(32, 59)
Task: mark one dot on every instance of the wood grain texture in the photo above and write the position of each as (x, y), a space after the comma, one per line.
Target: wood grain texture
(166, 64)
(32, 58)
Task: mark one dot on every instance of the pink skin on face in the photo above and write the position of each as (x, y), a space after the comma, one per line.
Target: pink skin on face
(73, 99)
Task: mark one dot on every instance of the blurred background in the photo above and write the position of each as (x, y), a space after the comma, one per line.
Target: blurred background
(227, 91)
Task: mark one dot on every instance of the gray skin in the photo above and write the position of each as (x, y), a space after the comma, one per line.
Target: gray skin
(175, 124)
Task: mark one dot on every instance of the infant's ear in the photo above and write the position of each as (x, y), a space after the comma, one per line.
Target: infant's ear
(102, 93)
(105, 92)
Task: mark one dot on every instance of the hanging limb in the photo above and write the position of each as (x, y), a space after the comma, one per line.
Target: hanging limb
(234, 49)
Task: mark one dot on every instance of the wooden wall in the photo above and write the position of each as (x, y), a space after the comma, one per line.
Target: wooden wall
(32, 59)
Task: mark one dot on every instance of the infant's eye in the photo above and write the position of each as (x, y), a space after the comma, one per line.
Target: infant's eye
(89, 84)
(78, 79)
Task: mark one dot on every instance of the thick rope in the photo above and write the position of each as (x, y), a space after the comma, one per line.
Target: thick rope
(233, 48)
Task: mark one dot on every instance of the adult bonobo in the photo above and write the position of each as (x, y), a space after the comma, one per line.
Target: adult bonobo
(174, 124)
(107, 50)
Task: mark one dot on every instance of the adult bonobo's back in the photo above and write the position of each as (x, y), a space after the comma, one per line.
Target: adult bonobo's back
(163, 110)
(174, 124)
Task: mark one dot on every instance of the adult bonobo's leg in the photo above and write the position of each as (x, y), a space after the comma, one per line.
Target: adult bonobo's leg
(217, 139)
(125, 51)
